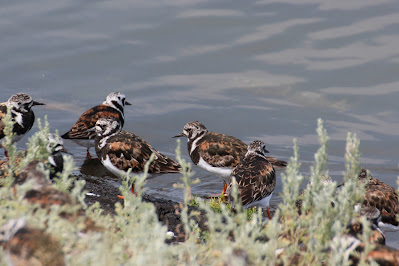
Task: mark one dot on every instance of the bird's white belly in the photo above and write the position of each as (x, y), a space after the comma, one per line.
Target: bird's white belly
(223, 172)
(112, 168)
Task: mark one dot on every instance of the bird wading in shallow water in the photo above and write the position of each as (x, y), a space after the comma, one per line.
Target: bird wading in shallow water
(215, 152)
(120, 151)
(255, 178)
(82, 132)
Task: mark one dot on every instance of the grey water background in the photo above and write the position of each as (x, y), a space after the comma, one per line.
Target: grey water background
(252, 69)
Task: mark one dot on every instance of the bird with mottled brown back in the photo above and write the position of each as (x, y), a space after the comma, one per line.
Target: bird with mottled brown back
(82, 132)
(215, 152)
(120, 151)
(25, 245)
(254, 177)
(384, 198)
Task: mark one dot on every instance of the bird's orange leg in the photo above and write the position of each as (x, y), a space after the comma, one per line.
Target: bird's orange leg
(88, 155)
(224, 188)
(131, 190)
(268, 213)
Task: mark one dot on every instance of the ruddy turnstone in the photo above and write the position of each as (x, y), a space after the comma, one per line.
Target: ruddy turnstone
(373, 215)
(120, 150)
(383, 255)
(54, 163)
(55, 147)
(384, 198)
(215, 152)
(45, 195)
(82, 132)
(379, 254)
(381, 196)
(255, 178)
(22, 115)
(25, 245)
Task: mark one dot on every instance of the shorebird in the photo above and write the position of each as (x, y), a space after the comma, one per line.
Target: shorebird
(384, 198)
(255, 178)
(215, 152)
(55, 160)
(26, 245)
(82, 132)
(45, 195)
(120, 151)
(23, 117)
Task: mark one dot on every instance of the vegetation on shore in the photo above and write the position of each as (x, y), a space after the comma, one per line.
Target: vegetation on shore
(134, 235)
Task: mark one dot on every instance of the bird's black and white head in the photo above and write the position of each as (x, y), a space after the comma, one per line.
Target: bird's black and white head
(117, 101)
(55, 144)
(257, 147)
(22, 102)
(193, 130)
(107, 127)
(55, 147)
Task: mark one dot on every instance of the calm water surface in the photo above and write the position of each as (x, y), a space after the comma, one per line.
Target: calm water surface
(255, 70)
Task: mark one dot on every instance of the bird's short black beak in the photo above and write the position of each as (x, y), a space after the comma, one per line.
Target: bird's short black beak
(127, 103)
(37, 103)
(180, 135)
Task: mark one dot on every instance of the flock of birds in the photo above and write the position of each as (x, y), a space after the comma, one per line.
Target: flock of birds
(119, 151)
(248, 166)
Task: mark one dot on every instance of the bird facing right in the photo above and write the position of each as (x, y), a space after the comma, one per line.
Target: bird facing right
(20, 105)
(82, 132)
(255, 178)
(55, 147)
